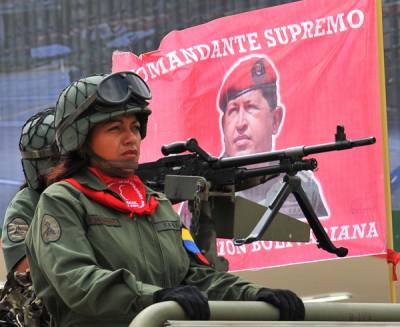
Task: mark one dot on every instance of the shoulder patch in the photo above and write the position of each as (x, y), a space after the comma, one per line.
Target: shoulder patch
(17, 229)
(50, 229)
(191, 246)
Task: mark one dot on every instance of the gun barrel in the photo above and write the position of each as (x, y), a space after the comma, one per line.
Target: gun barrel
(338, 146)
(251, 159)
(296, 153)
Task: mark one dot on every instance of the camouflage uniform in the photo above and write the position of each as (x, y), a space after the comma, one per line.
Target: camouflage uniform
(39, 153)
(17, 219)
(93, 265)
(19, 304)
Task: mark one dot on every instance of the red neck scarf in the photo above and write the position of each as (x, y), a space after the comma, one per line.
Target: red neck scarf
(131, 190)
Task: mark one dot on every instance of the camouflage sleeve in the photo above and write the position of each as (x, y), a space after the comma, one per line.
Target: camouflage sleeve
(59, 249)
(17, 219)
(220, 285)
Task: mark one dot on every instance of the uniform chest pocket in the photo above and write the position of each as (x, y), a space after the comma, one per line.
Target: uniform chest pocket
(164, 225)
(93, 220)
(165, 217)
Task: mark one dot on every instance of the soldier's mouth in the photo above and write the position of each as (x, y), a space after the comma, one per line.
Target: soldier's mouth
(129, 154)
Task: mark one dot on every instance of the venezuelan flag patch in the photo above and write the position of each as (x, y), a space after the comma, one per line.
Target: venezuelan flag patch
(191, 246)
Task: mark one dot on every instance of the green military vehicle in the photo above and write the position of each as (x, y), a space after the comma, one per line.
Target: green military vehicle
(211, 198)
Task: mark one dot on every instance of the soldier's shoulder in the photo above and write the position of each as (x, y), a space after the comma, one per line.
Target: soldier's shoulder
(27, 192)
(25, 198)
(62, 190)
(158, 195)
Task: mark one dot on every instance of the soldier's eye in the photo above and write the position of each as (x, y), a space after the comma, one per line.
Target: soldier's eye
(113, 127)
(136, 128)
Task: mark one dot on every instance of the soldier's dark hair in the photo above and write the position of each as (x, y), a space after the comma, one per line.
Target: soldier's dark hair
(69, 164)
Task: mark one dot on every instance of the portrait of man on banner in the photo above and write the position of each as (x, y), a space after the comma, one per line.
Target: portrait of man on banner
(251, 117)
(241, 89)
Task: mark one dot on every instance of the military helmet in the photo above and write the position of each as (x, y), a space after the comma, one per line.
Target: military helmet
(97, 99)
(38, 148)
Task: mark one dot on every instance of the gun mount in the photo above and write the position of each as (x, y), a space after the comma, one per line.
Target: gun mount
(199, 177)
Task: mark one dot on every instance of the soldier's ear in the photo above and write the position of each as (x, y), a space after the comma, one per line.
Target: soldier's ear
(277, 116)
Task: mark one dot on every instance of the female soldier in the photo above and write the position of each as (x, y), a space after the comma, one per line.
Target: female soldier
(39, 153)
(102, 245)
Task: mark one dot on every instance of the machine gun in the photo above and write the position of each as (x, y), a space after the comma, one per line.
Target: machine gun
(198, 176)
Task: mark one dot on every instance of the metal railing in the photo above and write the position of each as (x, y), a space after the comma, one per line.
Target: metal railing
(158, 314)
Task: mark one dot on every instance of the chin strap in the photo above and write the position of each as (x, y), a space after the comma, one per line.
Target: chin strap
(113, 168)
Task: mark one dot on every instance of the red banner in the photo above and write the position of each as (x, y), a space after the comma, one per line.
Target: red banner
(271, 79)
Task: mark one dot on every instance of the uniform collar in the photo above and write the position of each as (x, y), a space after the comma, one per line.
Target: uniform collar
(88, 179)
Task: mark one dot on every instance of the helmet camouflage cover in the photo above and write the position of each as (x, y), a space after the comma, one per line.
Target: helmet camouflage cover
(72, 136)
(38, 148)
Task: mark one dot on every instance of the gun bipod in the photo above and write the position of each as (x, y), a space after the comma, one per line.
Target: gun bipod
(292, 184)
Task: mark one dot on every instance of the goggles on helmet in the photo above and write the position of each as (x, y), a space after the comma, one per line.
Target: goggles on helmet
(119, 87)
(113, 91)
